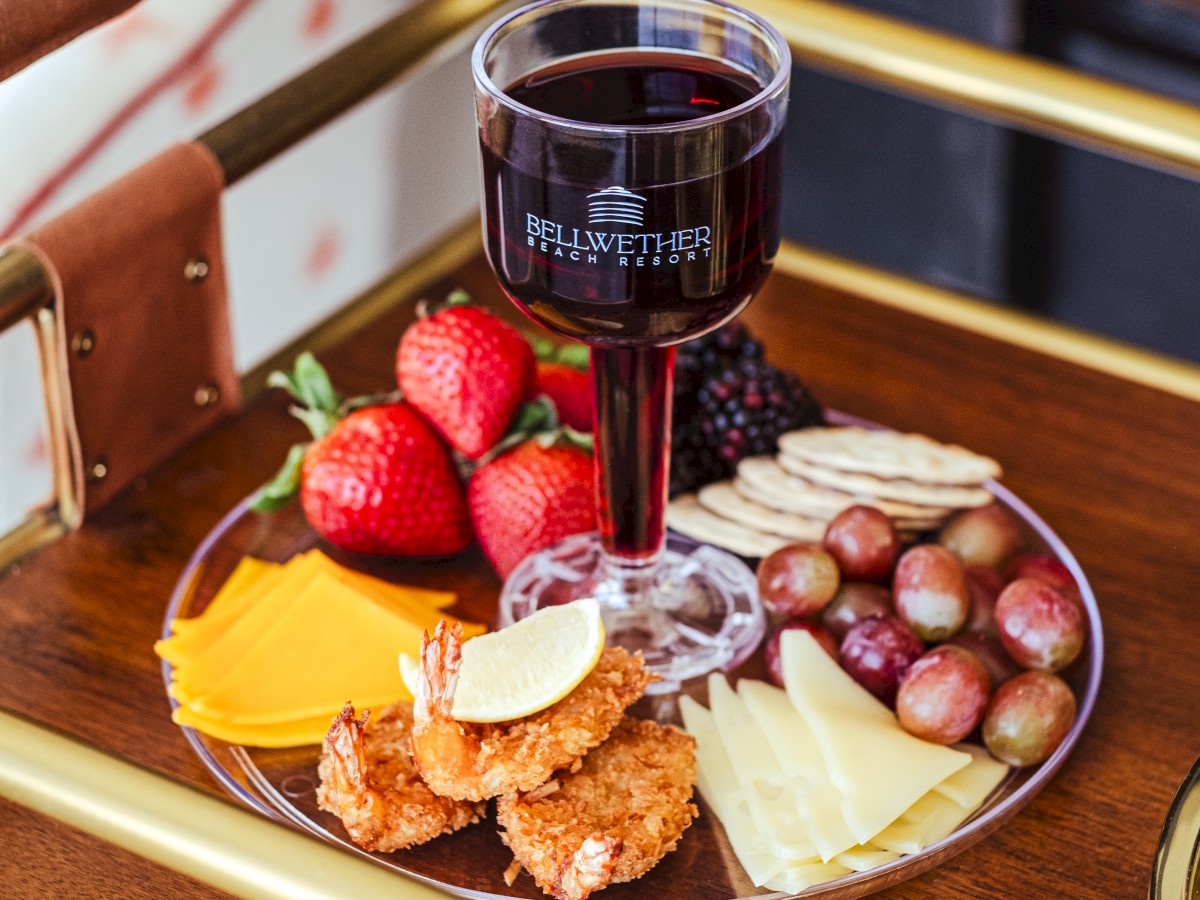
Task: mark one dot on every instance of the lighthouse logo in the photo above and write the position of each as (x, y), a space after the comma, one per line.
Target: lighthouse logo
(615, 204)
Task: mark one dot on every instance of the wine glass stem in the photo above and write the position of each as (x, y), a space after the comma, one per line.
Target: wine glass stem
(633, 448)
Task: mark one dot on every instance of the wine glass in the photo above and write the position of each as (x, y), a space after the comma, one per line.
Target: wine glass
(631, 155)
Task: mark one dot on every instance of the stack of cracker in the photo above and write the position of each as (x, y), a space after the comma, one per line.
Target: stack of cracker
(819, 472)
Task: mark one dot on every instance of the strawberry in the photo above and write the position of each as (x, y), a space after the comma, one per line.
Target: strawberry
(467, 372)
(570, 390)
(530, 497)
(377, 479)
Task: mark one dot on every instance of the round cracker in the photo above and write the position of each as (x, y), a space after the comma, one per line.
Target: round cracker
(955, 496)
(889, 454)
(763, 480)
(722, 499)
(688, 517)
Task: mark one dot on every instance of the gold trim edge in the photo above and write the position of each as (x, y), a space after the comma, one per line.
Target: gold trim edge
(180, 826)
(1176, 870)
(1049, 338)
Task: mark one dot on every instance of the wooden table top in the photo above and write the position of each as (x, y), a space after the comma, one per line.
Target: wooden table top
(1112, 466)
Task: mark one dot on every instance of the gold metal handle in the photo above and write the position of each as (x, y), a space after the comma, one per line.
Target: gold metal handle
(181, 827)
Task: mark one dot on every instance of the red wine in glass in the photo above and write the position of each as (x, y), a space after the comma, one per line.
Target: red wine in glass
(631, 158)
(655, 266)
(647, 268)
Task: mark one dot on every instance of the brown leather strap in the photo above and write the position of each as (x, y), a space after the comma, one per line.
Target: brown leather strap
(144, 340)
(30, 29)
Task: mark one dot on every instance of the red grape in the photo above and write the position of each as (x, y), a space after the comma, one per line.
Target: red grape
(877, 652)
(931, 592)
(853, 601)
(1028, 718)
(864, 542)
(1040, 628)
(797, 580)
(771, 651)
(1048, 568)
(987, 536)
(984, 586)
(943, 695)
(1000, 666)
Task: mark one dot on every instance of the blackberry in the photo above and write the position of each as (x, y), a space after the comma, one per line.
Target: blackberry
(730, 403)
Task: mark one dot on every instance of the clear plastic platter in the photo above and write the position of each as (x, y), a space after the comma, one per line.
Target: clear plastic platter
(281, 783)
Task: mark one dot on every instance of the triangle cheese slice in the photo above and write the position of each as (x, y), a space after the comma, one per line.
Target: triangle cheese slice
(879, 768)
(719, 786)
(770, 794)
(328, 646)
(819, 802)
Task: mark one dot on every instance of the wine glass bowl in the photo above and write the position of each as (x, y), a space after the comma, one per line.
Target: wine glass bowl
(631, 164)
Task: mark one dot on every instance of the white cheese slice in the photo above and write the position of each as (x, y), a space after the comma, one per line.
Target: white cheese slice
(947, 806)
(879, 768)
(928, 820)
(972, 784)
(861, 858)
(719, 786)
(770, 793)
(820, 803)
(795, 879)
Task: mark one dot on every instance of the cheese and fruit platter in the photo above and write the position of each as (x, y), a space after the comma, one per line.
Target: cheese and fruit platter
(932, 651)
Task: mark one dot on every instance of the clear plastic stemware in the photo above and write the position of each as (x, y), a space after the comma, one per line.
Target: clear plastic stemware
(631, 155)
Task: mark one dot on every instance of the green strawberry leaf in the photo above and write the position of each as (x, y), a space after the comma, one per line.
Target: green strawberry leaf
(543, 348)
(457, 297)
(573, 354)
(584, 440)
(279, 490)
(350, 404)
(315, 389)
(309, 384)
(530, 420)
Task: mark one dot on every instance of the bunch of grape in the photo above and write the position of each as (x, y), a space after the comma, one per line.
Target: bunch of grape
(730, 403)
(964, 633)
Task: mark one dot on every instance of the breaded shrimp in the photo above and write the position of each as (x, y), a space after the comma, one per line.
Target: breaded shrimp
(610, 821)
(371, 784)
(469, 761)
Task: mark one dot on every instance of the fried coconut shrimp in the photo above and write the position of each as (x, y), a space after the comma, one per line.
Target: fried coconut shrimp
(610, 821)
(370, 783)
(469, 761)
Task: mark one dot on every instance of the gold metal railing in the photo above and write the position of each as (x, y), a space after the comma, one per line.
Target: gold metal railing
(1010, 88)
(59, 777)
(231, 848)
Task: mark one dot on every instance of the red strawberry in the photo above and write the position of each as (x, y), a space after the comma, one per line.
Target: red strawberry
(467, 372)
(529, 498)
(571, 391)
(382, 481)
(379, 480)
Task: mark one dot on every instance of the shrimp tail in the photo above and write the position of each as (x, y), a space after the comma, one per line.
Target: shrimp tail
(347, 751)
(441, 657)
(444, 753)
(589, 868)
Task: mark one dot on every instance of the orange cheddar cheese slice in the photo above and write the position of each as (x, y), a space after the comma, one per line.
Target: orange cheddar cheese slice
(233, 630)
(192, 636)
(247, 573)
(284, 734)
(419, 605)
(327, 646)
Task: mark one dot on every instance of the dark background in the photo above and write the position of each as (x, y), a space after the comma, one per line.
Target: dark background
(1109, 246)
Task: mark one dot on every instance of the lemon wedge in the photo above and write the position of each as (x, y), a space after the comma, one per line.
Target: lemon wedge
(525, 667)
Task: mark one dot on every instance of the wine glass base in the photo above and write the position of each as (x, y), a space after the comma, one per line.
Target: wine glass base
(694, 612)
